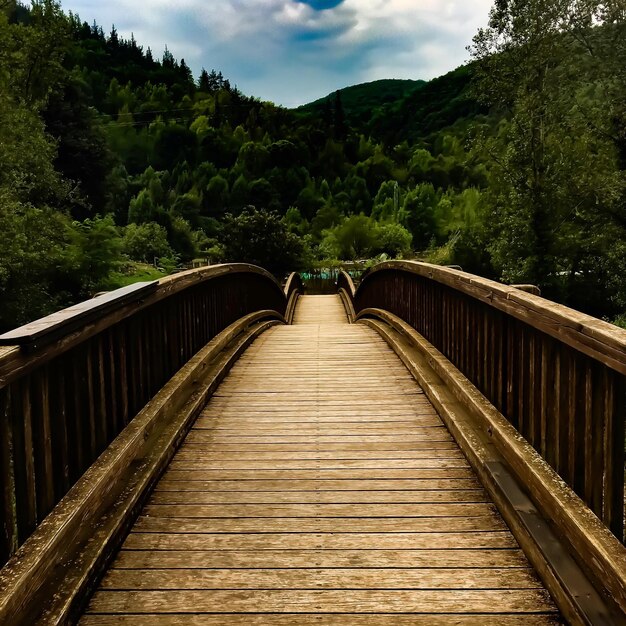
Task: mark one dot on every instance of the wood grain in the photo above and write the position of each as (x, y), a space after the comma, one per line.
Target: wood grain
(320, 484)
(344, 619)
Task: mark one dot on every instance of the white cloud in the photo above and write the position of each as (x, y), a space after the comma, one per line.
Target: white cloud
(286, 51)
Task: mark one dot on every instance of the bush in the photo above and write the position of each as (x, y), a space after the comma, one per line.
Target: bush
(145, 242)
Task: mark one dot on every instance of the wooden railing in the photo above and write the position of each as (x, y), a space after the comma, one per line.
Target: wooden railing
(71, 382)
(293, 288)
(556, 374)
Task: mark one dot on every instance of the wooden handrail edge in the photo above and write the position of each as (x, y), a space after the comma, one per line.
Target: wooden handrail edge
(293, 289)
(351, 290)
(54, 540)
(294, 277)
(596, 548)
(291, 306)
(594, 337)
(346, 300)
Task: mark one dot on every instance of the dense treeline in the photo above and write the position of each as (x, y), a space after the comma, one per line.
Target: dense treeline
(512, 166)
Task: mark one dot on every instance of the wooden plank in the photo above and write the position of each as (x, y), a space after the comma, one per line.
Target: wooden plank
(195, 463)
(237, 559)
(345, 619)
(320, 510)
(341, 578)
(169, 483)
(60, 442)
(299, 497)
(200, 436)
(328, 446)
(326, 601)
(447, 452)
(9, 529)
(319, 541)
(187, 525)
(44, 469)
(24, 467)
(321, 474)
(250, 427)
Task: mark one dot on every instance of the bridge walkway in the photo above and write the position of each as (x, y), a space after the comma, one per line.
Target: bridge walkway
(319, 486)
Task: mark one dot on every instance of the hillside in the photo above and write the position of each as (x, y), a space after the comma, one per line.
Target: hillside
(404, 110)
(361, 101)
(431, 107)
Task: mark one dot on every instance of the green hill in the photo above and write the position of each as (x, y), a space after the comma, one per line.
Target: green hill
(399, 110)
(442, 102)
(360, 102)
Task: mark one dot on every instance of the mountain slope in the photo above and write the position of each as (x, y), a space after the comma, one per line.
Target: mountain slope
(432, 106)
(361, 101)
(403, 110)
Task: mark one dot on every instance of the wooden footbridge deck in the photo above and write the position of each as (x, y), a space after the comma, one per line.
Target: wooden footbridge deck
(194, 461)
(289, 498)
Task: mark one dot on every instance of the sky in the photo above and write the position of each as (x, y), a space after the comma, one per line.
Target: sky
(294, 51)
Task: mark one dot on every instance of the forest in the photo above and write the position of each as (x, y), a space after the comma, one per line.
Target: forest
(118, 164)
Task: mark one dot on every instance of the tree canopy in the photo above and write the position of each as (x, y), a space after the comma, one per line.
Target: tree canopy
(512, 166)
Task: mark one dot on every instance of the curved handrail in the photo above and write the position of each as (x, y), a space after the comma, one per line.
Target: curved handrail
(344, 281)
(21, 349)
(293, 283)
(346, 290)
(294, 288)
(596, 338)
(71, 382)
(556, 374)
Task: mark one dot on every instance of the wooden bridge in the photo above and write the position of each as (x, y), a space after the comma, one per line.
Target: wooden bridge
(213, 449)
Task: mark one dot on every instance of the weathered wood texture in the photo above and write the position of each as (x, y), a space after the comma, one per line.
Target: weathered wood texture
(319, 486)
(557, 375)
(64, 398)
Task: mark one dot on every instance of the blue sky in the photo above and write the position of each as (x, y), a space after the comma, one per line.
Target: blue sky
(295, 51)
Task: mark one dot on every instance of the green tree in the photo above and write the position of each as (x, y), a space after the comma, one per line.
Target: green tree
(556, 68)
(418, 214)
(392, 239)
(146, 242)
(99, 245)
(33, 256)
(354, 238)
(262, 238)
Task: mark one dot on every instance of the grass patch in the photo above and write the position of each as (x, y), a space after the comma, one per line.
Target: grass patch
(132, 273)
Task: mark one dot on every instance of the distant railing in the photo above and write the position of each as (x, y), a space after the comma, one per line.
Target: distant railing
(293, 288)
(556, 374)
(293, 284)
(324, 281)
(346, 282)
(71, 382)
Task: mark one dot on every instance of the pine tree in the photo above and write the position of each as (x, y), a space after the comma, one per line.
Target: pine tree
(113, 41)
(185, 72)
(204, 81)
(168, 59)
